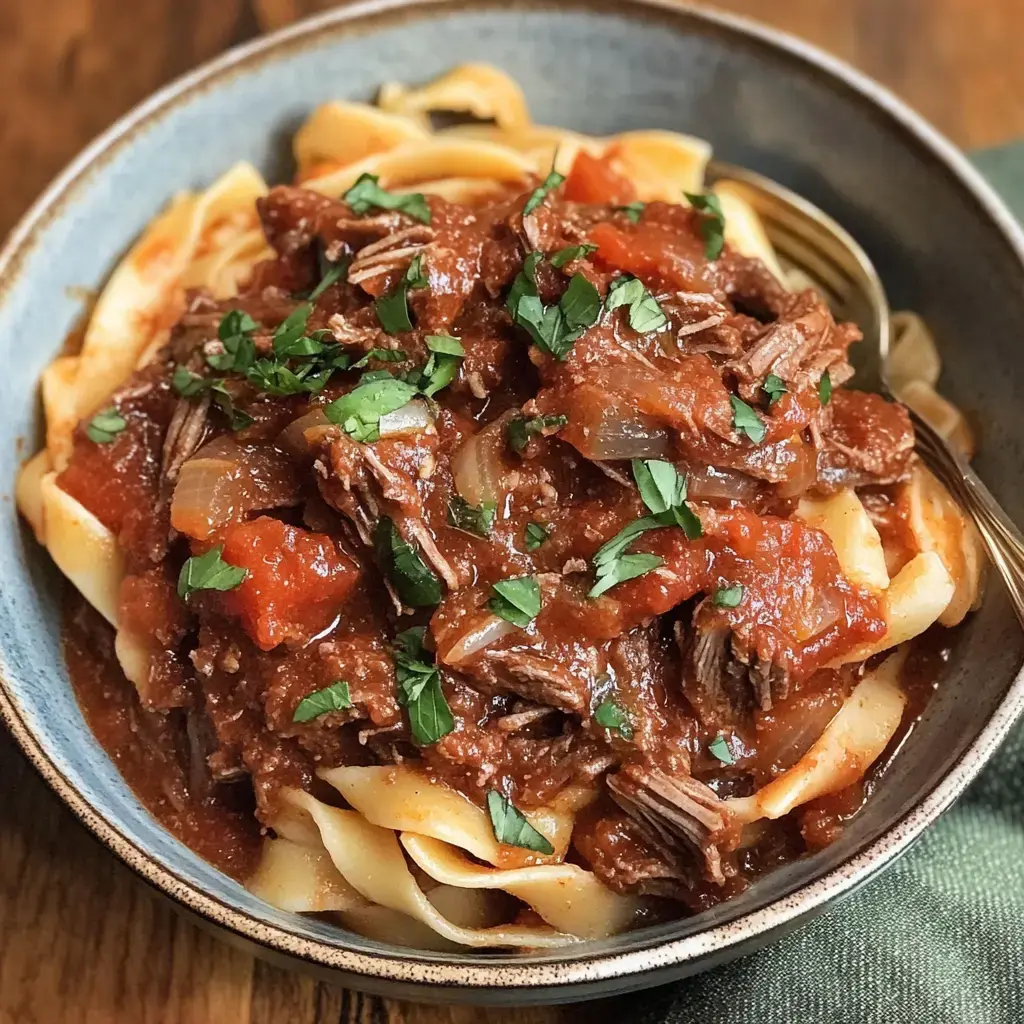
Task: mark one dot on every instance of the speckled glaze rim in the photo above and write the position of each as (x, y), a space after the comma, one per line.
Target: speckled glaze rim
(575, 975)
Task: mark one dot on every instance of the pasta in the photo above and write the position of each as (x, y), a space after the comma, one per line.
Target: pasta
(520, 635)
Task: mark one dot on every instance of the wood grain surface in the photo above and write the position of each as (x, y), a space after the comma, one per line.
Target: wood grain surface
(81, 939)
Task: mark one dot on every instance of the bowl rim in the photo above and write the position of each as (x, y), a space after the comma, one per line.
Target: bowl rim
(410, 969)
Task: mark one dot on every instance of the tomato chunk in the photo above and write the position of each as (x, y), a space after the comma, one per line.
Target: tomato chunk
(297, 582)
(652, 253)
(593, 180)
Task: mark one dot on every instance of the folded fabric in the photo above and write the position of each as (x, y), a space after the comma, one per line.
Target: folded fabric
(937, 939)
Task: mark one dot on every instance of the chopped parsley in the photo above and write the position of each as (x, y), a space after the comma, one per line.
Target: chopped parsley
(611, 715)
(535, 534)
(358, 413)
(774, 387)
(512, 828)
(516, 600)
(645, 315)
(520, 429)
(209, 572)
(382, 355)
(419, 688)
(235, 333)
(446, 354)
(712, 222)
(719, 747)
(331, 275)
(366, 194)
(663, 490)
(331, 698)
(729, 597)
(632, 210)
(105, 426)
(746, 421)
(393, 308)
(189, 385)
(825, 388)
(540, 193)
(413, 581)
(475, 519)
(570, 253)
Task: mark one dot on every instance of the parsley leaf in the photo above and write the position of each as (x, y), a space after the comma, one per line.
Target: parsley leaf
(209, 572)
(414, 583)
(512, 828)
(712, 222)
(774, 387)
(535, 534)
(611, 715)
(516, 600)
(382, 355)
(334, 272)
(719, 747)
(729, 597)
(476, 519)
(393, 308)
(358, 413)
(366, 193)
(105, 426)
(331, 698)
(189, 384)
(520, 429)
(525, 283)
(581, 303)
(746, 421)
(446, 353)
(663, 490)
(235, 333)
(613, 549)
(632, 210)
(825, 388)
(570, 253)
(645, 315)
(290, 337)
(540, 193)
(625, 567)
(419, 688)
(554, 329)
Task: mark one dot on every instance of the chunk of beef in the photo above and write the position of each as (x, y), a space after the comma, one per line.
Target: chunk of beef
(674, 814)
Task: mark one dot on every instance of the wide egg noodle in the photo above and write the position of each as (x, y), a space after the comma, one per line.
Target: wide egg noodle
(301, 878)
(370, 859)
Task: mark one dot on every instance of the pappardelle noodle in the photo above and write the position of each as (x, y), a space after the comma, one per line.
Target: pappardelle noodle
(490, 550)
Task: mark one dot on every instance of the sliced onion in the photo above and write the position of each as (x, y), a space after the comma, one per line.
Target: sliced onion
(481, 634)
(225, 481)
(479, 466)
(298, 437)
(710, 483)
(413, 418)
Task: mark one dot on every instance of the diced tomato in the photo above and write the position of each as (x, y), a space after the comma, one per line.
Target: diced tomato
(297, 581)
(651, 253)
(593, 180)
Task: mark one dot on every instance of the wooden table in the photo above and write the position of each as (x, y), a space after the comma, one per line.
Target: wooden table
(81, 939)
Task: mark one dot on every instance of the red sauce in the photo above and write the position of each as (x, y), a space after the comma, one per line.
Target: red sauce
(322, 600)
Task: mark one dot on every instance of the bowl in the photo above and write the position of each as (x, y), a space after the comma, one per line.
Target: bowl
(943, 243)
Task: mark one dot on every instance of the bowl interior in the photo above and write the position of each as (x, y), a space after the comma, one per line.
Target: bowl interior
(599, 70)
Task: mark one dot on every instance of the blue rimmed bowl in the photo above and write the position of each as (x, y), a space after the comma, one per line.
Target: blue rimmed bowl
(943, 243)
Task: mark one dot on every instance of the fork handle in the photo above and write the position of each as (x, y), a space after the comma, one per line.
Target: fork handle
(1003, 541)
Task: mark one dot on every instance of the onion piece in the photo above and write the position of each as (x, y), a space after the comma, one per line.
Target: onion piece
(296, 437)
(413, 418)
(482, 634)
(712, 483)
(224, 481)
(480, 466)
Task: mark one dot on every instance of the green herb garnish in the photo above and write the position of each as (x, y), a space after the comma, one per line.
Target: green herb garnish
(540, 193)
(366, 194)
(516, 600)
(209, 572)
(825, 388)
(719, 747)
(571, 252)
(520, 429)
(414, 583)
(645, 314)
(632, 210)
(382, 355)
(712, 222)
(419, 688)
(331, 698)
(446, 354)
(729, 597)
(393, 308)
(663, 490)
(358, 413)
(512, 828)
(333, 273)
(774, 387)
(611, 715)
(476, 519)
(535, 535)
(105, 426)
(746, 421)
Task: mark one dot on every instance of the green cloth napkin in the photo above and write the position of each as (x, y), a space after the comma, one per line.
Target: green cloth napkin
(937, 938)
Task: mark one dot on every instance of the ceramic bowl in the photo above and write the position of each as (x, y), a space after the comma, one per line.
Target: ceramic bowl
(943, 243)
